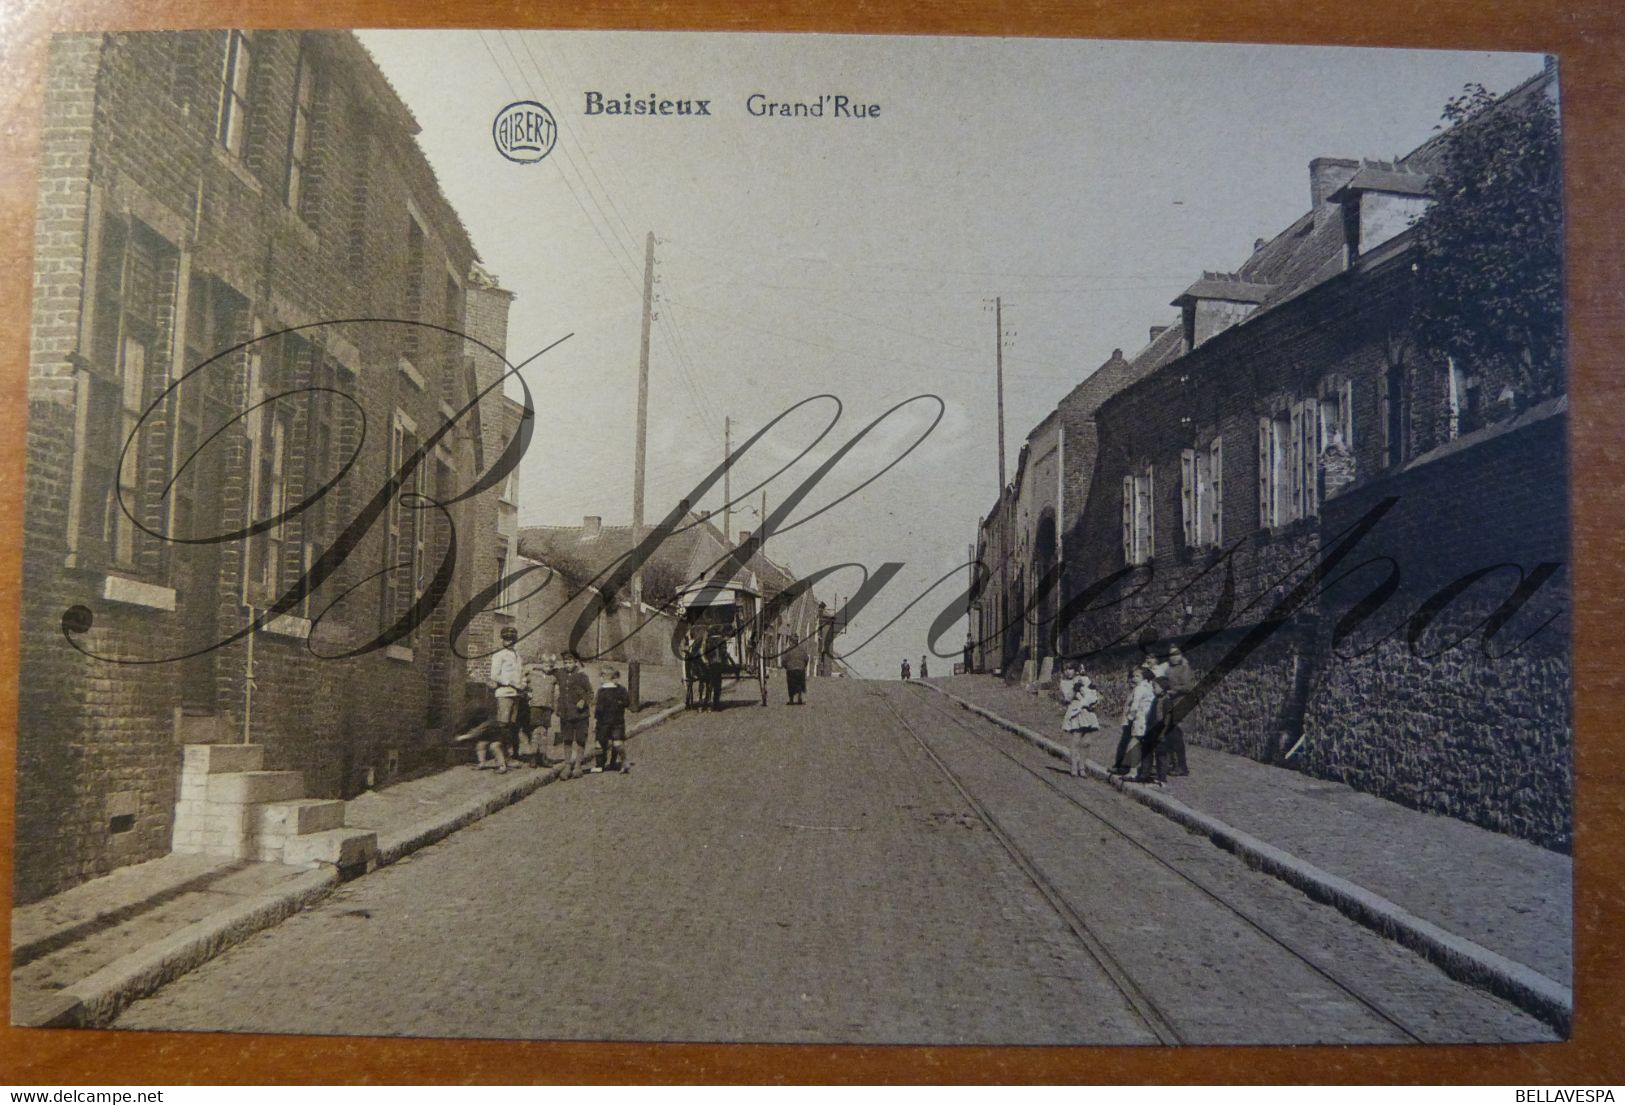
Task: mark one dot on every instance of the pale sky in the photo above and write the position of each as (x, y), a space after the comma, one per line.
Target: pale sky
(1086, 183)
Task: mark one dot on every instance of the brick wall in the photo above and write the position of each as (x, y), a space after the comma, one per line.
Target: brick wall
(129, 135)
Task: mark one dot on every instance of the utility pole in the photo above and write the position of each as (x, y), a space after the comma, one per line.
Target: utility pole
(998, 352)
(727, 493)
(970, 603)
(632, 672)
(1004, 528)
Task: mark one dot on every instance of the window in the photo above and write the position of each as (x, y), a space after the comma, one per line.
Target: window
(403, 544)
(1463, 400)
(1395, 416)
(1202, 494)
(1274, 435)
(134, 291)
(1291, 452)
(276, 556)
(451, 343)
(214, 322)
(304, 97)
(234, 76)
(412, 301)
(1138, 539)
(327, 425)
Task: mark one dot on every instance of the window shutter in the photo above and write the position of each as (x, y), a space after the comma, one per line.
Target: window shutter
(1312, 445)
(1150, 514)
(1266, 486)
(1215, 469)
(1128, 519)
(1385, 415)
(1348, 415)
(1297, 458)
(1189, 497)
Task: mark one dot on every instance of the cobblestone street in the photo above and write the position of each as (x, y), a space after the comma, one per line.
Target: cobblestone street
(868, 868)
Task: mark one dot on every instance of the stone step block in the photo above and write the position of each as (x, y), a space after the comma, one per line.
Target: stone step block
(299, 817)
(202, 729)
(340, 847)
(244, 787)
(219, 759)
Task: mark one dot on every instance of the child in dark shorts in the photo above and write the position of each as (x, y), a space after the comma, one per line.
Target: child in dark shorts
(609, 711)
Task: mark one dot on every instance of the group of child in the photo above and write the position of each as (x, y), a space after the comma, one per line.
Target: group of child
(525, 702)
(1147, 725)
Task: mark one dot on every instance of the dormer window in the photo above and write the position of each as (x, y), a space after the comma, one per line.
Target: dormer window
(1381, 202)
(1217, 302)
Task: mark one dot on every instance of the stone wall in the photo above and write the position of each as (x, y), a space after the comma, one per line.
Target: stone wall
(1459, 720)
(1473, 734)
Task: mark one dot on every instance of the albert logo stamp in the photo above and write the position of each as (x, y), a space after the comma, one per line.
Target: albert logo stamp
(524, 132)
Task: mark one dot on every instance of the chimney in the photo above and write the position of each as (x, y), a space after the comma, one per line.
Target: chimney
(1258, 244)
(592, 526)
(1327, 175)
(1157, 332)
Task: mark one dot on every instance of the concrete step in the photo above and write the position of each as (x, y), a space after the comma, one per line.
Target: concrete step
(299, 817)
(340, 847)
(202, 728)
(219, 759)
(245, 787)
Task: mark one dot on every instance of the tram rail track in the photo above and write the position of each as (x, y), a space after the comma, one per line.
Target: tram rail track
(1160, 1022)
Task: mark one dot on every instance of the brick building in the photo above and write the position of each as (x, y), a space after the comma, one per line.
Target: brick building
(203, 435)
(1022, 541)
(1285, 422)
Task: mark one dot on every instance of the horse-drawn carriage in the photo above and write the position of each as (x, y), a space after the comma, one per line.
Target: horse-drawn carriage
(723, 639)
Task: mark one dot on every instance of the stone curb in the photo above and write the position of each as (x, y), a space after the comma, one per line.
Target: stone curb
(98, 999)
(1456, 956)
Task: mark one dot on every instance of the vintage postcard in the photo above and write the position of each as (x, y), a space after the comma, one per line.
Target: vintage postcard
(801, 539)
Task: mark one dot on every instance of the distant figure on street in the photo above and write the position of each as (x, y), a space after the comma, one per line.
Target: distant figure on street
(925, 671)
(694, 681)
(506, 677)
(538, 686)
(795, 673)
(1134, 708)
(970, 654)
(1181, 682)
(1153, 762)
(574, 698)
(905, 670)
(1063, 685)
(479, 728)
(1080, 721)
(609, 711)
(716, 665)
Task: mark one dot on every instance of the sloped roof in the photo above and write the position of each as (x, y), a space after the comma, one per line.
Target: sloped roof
(1225, 285)
(582, 556)
(687, 553)
(1384, 176)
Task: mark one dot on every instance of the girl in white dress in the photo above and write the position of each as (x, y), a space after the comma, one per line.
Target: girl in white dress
(1080, 720)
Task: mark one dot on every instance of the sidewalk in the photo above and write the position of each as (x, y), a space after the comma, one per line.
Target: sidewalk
(1386, 864)
(80, 957)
